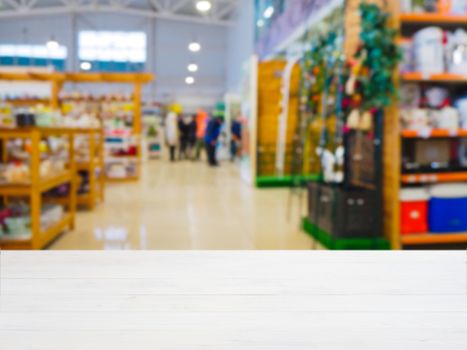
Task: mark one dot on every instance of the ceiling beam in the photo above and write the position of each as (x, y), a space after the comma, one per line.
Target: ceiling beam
(226, 9)
(78, 8)
(179, 4)
(156, 5)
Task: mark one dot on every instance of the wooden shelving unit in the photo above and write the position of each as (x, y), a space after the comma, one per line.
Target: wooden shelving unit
(136, 159)
(57, 81)
(394, 136)
(137, 80)
(40, 237)
(94, 165)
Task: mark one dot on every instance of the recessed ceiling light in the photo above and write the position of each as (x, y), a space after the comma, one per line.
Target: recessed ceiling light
(194, 47)
(203, 6)
(52, 44)
(269, 12)
(260, 23)
(189, 80)
(193, 67)
(85, 65)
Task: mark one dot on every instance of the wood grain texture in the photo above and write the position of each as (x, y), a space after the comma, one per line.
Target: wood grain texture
(233, 300)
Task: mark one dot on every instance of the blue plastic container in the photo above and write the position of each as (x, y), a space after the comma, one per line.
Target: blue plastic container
(448, 208)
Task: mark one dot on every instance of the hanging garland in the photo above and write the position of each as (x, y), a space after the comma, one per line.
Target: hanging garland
(379, 56)
(371, 85)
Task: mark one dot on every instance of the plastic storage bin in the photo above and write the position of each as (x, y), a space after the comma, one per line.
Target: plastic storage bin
(429, 51)
(349, 213)
(448, 208)
(414, 211)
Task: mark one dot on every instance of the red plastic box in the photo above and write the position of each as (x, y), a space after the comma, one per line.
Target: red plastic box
(414, 211)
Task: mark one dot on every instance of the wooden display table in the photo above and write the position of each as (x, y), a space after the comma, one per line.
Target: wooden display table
(233, 300)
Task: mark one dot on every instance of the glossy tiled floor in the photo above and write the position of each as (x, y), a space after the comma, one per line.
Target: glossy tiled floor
(189, 206)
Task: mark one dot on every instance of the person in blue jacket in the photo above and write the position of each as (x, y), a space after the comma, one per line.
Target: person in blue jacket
(213, 132)
(235, 142)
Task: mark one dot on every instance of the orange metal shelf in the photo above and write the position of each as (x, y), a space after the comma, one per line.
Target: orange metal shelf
(437, 78)
(412, 134)
(426, 239)
(434, 178)
(403, 40)
(434, 18)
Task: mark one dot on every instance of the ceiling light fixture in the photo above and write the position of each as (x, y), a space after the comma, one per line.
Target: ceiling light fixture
(192, 67)
(260, 23)
(52, 44)
(85, 65)
(269, 12)
(189, 80)
(203, 6)
(194, 47)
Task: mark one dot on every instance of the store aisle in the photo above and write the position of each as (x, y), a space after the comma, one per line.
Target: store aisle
(188, 206)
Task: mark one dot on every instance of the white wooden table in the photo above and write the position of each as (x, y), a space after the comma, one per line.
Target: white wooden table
(233, 300)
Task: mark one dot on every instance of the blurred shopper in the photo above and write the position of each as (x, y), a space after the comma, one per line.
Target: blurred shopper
(192, 137)
(171, 134)
(185, 128)
(201, 124)
(236, 138)
(213, 131)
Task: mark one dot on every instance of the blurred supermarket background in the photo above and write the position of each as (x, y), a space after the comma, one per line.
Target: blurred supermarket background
(233, 124)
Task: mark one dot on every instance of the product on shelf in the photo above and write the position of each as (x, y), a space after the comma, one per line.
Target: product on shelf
(448, 208)
(414, 210)
(42, 116)
(15, 219)
(51, 215)
(153, 130)
(429, 51)
(445, 7)
(434, 51)
(18, 172)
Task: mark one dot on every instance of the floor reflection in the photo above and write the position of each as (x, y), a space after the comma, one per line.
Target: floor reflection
(189, 206)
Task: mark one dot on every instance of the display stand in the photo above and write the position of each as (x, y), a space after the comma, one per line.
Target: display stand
(94, 167)
(57, 81)
(137, 80)
(153, 132)
(40, 236)
(395, 180)
(278, 82)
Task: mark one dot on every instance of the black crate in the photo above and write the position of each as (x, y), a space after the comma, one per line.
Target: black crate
(326, 216)
(349, 213)
(314, 189)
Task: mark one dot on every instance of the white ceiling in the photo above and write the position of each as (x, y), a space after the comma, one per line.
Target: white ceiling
(170, 9)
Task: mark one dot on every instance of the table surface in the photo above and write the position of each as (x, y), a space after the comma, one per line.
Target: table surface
(233, 300)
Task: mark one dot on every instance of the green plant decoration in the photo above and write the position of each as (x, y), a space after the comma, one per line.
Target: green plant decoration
(152, 131)
(379, 56)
